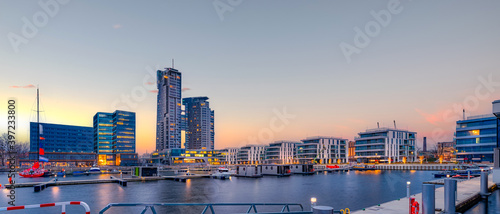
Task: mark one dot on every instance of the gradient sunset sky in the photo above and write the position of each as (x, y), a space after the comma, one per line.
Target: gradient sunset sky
(429, 60)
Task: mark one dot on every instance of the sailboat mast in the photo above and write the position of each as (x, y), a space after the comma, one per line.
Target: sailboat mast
(38, 124)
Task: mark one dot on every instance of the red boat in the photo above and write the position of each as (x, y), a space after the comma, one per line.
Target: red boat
(32, 173)
(35, 170)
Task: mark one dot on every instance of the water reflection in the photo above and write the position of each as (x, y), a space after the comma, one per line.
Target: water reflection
(354, 190)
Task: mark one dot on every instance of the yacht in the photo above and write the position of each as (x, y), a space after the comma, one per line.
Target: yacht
(222, 173)
(94, 170)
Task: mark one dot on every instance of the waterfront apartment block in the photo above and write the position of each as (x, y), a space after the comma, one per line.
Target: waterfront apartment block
(168, 114)
(280, 152)
(476, 138)
(198, 123)
(114, 138)
(386, 145)
(230, 155)
(251, 154)
(187, 157)
(322, 150)
(63, 145)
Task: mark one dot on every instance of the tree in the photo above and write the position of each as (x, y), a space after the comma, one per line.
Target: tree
(20, 148)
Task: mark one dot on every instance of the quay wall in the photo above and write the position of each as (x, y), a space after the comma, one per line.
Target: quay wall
(423, 167)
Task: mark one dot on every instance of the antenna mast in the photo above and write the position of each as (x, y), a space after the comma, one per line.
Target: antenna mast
(38, 124)
(395, 124)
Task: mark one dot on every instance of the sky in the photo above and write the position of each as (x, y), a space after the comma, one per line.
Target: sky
(273, 70)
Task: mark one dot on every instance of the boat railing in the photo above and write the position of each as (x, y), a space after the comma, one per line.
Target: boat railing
(62, 204)
(252, 207)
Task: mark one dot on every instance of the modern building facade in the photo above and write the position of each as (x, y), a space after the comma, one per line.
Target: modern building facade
(476, 137)
(496, 112)
(322, 150)
(251, 154)
(199, 157)
(114, 138)
(280, 152)
(168, 115)
(386, 145)
(230, 155)
(63, 145)
(198, 123)
(351, 151)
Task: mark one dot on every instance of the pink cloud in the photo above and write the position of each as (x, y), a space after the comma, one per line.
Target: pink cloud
(185, 89)
(154, 91)
(117, 26)
(150, 83)
(24, 86)
(431, 118)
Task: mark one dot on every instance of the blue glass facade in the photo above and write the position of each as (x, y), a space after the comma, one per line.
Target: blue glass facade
(198, 123)
(168, 110)
(63, 144)
(476, 138)
(114, 138)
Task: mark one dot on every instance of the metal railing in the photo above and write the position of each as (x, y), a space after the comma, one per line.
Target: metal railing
(62, 204)
(209, 206)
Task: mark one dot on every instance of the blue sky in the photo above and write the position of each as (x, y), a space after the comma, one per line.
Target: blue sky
(263, 55)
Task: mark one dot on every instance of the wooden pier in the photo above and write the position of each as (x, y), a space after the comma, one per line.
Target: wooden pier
(39, 186)
(467, 195)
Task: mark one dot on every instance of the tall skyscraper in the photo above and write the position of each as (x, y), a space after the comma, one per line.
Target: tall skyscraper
(168, 115)
(114, 138)
(199, 123)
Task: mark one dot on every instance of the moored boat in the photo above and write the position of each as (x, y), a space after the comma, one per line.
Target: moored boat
(77, 173)
(32, 173)
(222, 173)
(94, 170)
(363, 167)
(276, 170)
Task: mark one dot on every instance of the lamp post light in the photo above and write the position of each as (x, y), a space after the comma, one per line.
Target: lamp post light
(408, 183)
(313, 203)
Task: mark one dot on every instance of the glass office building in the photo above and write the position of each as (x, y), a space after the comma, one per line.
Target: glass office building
(476, 138)
(114, 138)
(63, 145)
(198, 123)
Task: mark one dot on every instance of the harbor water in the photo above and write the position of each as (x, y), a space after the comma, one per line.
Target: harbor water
(354, 190)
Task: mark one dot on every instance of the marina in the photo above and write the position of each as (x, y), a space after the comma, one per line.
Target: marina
(385, 186)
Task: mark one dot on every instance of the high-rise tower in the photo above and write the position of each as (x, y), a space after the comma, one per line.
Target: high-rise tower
(199, 123)
(168, 116)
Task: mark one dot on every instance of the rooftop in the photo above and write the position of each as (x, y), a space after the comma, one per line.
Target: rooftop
(323, 137)
(384, 129)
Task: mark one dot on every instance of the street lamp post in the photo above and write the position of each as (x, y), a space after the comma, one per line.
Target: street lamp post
(408, 183)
